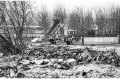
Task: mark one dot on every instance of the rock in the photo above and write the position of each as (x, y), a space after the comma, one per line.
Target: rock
(54, 60)
(12, 73)
(56, 65)
(85, 54)
(59, 66)
(25, 62)
(41, 57)
(41, 61)
(60, 60)
(79, 57)
(20, 75)
(84, 74)
(36, 40)
(46, 61)
(26, 68)
(12, 64)
(71, 61)
(1, 54)
(38, 62)
(50, 64)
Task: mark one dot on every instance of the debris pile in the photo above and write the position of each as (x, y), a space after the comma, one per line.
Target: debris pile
(61, 61)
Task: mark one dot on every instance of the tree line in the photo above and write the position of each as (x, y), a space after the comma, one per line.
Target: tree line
(106, 20)
(20, 15)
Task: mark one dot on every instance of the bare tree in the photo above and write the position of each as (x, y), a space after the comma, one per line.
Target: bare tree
(43, 19)
(89, 22)
(16, 16)
(110, 28)
(76, 22)
(60, 13)
(101, 21)
(115, 20)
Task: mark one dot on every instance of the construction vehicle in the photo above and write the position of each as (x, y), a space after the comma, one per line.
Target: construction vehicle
(56, 37)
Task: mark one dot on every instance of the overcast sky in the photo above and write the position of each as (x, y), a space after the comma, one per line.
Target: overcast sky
(71, 4)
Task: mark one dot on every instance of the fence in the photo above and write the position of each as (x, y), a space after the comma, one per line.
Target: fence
(87, 40)
(101, 40)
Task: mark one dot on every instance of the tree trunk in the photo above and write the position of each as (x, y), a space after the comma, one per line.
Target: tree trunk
(119, 38)
(82, 39)
(118, 35)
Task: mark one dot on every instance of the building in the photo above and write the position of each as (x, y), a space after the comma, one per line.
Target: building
(30, 31)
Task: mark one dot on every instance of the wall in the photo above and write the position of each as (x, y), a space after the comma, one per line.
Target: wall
(100, 40)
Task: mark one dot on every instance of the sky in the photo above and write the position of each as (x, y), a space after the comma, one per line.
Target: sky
(71, 4)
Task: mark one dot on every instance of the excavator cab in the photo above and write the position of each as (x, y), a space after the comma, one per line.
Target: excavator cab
(71, 38)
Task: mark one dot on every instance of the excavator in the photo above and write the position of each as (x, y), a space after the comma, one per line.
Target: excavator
(55, 36)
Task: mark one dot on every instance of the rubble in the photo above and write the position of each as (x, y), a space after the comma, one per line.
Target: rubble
(62, 61)
(25, 62)
(72, 62)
